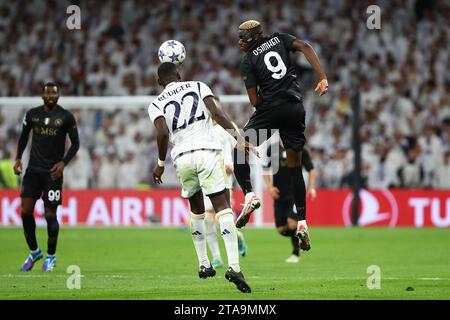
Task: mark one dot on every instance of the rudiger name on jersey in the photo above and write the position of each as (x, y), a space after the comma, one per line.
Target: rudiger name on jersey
(167, 94)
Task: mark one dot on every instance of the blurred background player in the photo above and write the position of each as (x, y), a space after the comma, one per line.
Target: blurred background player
(180, 113)
(274, 91)
(227, 142)
(279, 186)
(50, 124)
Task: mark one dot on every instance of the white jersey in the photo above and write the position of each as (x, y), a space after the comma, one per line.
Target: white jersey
(190, 125)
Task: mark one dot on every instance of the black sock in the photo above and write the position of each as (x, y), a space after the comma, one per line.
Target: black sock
(288, 233)
(295, 244)
(298, 184)
(242, 171)
(52, 231)
(29, 229)
(294, 239)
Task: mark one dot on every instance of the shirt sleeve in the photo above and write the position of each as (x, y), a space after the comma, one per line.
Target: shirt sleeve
(247, 74)
(71, 128)
(154, 112)
(287, 40)
(204, 90)
(23, 139)
(70, 123)
(306, 161)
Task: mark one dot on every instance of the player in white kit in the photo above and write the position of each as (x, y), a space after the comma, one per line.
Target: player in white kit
(180, 114)
(227, 143)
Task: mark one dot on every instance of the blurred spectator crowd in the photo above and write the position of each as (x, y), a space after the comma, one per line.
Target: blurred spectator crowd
(402, 72)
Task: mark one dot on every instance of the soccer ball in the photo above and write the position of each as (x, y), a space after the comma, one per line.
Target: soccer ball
(172, 51)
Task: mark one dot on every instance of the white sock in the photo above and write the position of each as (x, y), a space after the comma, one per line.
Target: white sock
(302, 223)
(35, 251)
(198, 236)
(229, 236)
(211, 237)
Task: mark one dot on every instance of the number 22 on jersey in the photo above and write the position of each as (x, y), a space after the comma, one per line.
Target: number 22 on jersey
(176, 116)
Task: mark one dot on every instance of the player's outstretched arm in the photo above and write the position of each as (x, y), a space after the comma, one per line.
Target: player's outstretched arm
(218, 114)
(313, 59)
(224, 121)
(162, 139)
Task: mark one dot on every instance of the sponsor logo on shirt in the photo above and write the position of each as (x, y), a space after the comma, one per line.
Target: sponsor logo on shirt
(58, 122)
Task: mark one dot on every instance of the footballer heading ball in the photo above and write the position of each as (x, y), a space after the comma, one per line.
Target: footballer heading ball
(172, 51)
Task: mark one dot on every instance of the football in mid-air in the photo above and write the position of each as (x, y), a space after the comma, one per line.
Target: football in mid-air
(172, 51)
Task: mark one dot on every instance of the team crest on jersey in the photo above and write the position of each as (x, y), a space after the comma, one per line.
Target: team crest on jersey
(46, 121)
(58, 122)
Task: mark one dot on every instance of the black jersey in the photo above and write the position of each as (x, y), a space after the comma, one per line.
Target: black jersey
(282, 179)
(268, 65)
(49, 137)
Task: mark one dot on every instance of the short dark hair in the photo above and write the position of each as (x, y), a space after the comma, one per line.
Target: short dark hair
(50, 84)
(167, 70)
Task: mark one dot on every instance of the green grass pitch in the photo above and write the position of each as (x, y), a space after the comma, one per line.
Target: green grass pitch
(160, 263)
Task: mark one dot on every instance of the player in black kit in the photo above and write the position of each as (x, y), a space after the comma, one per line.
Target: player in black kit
(273, 89)
(280, 189)
(50, 124)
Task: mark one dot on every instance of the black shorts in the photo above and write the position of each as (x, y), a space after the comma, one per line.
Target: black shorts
(38, 184)
(284, 209)
(288, 118)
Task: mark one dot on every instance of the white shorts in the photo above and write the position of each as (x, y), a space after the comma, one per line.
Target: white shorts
(201, 170)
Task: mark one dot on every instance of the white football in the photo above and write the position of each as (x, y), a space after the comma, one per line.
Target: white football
(172, 51)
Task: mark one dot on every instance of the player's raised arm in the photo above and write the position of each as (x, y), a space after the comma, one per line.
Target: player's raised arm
(313, 59)
(224, 121)
(22, 144)
(218, 114)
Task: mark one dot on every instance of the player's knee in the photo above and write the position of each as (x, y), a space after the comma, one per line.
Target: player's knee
(292, 224)
(27, 211)
(50, 216)
(282, 230)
